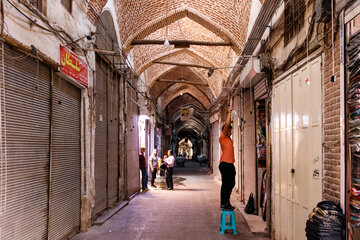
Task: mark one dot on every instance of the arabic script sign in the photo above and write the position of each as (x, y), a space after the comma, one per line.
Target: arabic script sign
(73, 66)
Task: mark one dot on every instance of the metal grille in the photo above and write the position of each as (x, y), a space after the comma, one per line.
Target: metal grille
(100, 136)
(37, 4)
(293, 18)
(3, 159)
(66, 160)
(25, 152)
(113, 136)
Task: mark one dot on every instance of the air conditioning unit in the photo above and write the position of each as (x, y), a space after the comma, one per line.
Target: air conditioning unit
(322, 10)
(265, 63)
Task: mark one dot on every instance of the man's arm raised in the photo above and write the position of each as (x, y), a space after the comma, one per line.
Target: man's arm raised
(227, 121)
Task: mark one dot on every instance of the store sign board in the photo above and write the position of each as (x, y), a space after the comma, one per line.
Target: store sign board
(73, 66)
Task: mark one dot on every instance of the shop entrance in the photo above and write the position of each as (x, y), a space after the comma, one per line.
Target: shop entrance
(296, 149)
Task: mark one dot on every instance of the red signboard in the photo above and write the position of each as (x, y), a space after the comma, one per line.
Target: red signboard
(73, 66)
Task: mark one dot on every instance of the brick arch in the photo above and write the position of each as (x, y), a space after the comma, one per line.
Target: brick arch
(194, 73)
(191, 90)
(175, 52)
(98, 5)
(190, 125)
(176, 114)
(173, 16)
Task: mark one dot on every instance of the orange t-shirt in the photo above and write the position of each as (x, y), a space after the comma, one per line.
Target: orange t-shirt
(227, 149)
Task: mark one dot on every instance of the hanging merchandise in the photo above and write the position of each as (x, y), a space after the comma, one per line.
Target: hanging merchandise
(354, 126)
(260, 131)
(326, 222)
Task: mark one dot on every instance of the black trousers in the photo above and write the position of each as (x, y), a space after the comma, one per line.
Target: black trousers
(153, 176)
(228, 173)
(169, 177)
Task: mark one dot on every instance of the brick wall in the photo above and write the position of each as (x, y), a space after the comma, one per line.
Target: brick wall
(225, 17)
(331, 120)
(98, 6)
(176, 89)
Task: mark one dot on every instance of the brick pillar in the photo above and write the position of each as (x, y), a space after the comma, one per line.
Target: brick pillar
(331, 146)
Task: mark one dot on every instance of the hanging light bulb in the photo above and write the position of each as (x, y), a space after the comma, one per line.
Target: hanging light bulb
(166, 43)
(181, 93)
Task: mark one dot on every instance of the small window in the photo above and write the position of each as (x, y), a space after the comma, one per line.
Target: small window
(294, 15)
(67, 4)
(37, 4)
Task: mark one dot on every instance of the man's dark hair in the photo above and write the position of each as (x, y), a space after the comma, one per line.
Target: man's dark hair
(230, 127)
(171, 152)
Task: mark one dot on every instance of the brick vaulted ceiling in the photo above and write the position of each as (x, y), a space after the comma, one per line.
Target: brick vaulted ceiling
(192, 20)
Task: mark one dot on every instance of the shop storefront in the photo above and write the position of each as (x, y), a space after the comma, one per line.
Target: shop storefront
(41, 145)
(297, 164)
(352, 40)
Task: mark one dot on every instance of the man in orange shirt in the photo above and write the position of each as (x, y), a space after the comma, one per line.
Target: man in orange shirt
(226, 165)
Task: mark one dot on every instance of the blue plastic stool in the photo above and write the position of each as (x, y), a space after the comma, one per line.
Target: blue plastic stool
(227, 225)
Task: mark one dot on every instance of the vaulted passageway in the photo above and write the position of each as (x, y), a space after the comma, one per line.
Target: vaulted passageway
(85, 85)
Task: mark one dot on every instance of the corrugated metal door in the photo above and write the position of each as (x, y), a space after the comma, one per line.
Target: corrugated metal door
(307, 140)
(113, 136)
(25, 120)
(66, 160)
(297, 159)
(100, 136)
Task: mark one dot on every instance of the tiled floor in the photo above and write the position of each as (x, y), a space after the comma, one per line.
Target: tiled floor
(190, 211)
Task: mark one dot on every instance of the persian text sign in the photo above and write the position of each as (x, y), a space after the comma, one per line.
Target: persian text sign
(73, 66)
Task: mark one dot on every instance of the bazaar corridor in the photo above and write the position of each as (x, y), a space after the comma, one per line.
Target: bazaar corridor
(254, 105)
(190, 211)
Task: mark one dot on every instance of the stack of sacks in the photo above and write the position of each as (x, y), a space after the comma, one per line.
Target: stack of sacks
(326, 222)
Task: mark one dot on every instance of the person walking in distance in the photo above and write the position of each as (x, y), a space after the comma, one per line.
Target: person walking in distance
(226, 165)
(143, 168)
(153, 160)
(169, 161)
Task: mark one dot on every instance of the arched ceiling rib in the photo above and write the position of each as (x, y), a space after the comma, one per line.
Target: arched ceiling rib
(177, 89)
(185, 100)
(146, 62)
(186, 29)
(140, 18)
(208, 21)
(185, 74)
(189, 125)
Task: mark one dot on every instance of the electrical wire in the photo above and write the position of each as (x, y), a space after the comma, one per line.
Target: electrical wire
(33, 22)
(123, 55)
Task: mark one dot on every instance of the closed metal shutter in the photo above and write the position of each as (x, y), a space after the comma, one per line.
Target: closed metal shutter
(113, 136)
(66, 160)
(25, 123)
(100, 136)
(260, 90)
(132, 142)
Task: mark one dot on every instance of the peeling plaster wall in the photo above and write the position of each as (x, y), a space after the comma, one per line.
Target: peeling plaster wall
(75, 24)
(279, 51)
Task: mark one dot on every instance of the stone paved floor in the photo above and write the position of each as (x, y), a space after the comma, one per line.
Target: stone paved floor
(190, 211)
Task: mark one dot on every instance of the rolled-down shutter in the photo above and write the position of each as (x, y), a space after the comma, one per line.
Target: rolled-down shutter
(66, 160)
(25, 125)
(100, 136)
(113, 136)
(260, 90)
